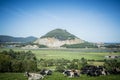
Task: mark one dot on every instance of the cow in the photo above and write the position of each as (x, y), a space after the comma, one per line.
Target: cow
(71, 73)
(94, 70)
(33, 76)
(93, 73)
(45, 72)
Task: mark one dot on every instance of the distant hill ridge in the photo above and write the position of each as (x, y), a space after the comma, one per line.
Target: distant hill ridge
(59, 34)
(54, 39)
(5, 38)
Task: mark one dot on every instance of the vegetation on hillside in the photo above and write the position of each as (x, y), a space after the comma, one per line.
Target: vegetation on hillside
(81, 45)
(4, 38)
(60, 34)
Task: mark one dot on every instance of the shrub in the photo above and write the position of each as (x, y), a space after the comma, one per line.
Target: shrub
(60, 68)
(112, 65)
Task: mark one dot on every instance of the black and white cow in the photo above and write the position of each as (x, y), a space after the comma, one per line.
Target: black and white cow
(45, 72)
(71, 73)
(94, 70)
(33, 76)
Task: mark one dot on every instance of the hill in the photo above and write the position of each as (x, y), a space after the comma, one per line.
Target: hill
(57, 38)
(59, 34)
(5, 38)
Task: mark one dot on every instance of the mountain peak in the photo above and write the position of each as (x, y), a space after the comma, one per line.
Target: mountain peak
(60, 34)
(57, 38)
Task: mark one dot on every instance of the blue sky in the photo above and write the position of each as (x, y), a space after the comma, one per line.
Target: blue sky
(90, 20)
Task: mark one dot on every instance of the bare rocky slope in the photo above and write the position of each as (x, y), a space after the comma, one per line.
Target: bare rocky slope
(57, 38)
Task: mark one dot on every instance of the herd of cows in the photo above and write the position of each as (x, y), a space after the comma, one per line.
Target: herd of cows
(88, 70)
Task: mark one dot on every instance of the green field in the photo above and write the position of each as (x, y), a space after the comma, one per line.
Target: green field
(54, 54)
(69, 54)
(56, 76)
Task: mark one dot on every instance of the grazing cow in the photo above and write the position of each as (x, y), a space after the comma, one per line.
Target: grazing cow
(72, 73)
(45, 72)
(94, 70)
(33, 76)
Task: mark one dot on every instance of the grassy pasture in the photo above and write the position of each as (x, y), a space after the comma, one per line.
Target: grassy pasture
(66, 54)
(56, 76)
(69, 54)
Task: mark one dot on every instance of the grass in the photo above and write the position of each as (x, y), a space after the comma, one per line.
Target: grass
(56, 76)
(59, 76)
(12, 76)
(69, 54)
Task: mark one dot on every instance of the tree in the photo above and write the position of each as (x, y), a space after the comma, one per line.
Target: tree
(72, 66)
(112, 65)
(17, 61)
(29, 65)
(60, 68)
(83, 62)
(17, 66)
(5, 63)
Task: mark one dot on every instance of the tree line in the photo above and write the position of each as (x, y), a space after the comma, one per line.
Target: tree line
(17, 61)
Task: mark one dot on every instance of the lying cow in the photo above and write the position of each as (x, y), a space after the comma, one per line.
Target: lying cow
(72, 73)
(94, 70)
(45, 72)
(33, 76)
